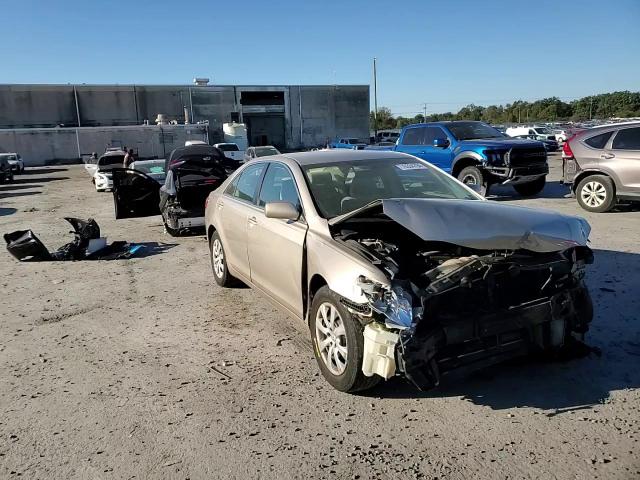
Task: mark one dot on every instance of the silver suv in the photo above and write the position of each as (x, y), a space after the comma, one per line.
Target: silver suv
(602, 165)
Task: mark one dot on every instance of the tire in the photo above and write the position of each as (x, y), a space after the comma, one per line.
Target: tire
(472, 175)
(220, 271)
(596, 193)
(531, 188)
(345, 374)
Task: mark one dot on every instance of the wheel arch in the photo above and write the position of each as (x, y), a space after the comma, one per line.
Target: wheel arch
(467, 159)
(316, 282)
(589, 173)
(210, 231)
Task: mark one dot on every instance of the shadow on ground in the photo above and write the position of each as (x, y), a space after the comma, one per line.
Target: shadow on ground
(561, 386)
(154, 248)
(551, 190)
(41, 170)
(26, 179)
(18, 194)
(7, 211)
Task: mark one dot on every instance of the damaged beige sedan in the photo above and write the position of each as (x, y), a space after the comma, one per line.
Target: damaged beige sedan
(396, 267)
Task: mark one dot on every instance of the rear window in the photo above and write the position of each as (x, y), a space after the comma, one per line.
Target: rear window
(111, 160)
(627, 139)
(598, 141)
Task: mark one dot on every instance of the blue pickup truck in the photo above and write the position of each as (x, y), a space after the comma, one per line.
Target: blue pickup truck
(350, 143)
(478, 154)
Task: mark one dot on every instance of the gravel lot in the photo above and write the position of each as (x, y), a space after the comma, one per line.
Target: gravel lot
(144, 368)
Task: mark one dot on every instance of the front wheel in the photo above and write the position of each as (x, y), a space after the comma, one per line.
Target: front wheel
(595, 193)
(472, 177)
(531, 188)
(338, 343)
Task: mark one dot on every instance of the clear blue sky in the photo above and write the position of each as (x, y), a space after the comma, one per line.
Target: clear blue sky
(445, 53)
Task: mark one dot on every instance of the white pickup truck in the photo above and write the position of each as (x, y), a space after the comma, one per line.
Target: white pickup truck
(231, 151)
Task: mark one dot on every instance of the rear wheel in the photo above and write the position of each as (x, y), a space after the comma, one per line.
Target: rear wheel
(596, 193)
(472, 176)
(338, 343)
(531, 188)
(219, 262)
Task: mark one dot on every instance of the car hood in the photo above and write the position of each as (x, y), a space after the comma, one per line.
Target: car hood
(501, 142)
(478, 224)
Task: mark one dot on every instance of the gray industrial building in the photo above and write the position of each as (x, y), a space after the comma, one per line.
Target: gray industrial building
(289, 117)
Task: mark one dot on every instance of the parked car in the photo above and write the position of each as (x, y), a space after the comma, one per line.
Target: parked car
(540, 133)
(191, 173)
(231, 151)
(602, 165)
(549, 145)
(102, 176)
(15, 161)
(257, 152)
(478, 154)
(6, 172)
(350, 143)
(396, 267)
(561, 135)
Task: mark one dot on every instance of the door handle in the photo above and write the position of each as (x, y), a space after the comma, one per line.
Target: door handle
(220, 204)
(606, 156)
(253, 221)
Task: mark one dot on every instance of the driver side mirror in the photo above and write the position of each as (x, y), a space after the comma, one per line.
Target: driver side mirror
(441, 142)
(282, 210)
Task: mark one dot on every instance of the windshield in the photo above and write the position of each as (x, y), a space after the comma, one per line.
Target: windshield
(342, 187)
(228, 147)
(542, 130)
(265, 152)
(149, 167)
(353, 141)
(9, 157)
(473, 130)
(108, 162)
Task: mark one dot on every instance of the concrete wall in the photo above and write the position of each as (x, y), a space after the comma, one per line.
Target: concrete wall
(311, 113)
(60, 145)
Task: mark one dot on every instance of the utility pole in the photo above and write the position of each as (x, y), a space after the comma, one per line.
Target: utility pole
(424, 107)
(375, 101)
(590, 107)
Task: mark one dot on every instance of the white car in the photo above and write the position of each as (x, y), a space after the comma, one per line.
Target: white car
(256, 152)
(536, 133)
(15, 160)
(102, 173)
(561, 135)
(231, 151)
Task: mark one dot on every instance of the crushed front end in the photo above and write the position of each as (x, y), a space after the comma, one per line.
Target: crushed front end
(449, 307)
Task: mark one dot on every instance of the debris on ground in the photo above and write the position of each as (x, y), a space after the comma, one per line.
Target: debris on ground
(86, 245)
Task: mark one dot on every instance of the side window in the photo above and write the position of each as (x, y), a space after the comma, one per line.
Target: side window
(532, 131)
(231, 188)
(414, 136)
(248, 182)
(598, 141)
(627, 139)
(278, 186)
(431, 133)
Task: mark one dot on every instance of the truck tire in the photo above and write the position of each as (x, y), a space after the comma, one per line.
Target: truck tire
(596, 193)
(531, 188)
(472, 175)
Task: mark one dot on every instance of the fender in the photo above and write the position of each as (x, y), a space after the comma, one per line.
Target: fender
(467, 154)
(595, 171)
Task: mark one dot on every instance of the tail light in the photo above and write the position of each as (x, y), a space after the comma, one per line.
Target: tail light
(566, 148)
(206, 202)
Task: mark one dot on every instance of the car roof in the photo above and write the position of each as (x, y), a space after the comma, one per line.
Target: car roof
(338, 155)
(609, 126)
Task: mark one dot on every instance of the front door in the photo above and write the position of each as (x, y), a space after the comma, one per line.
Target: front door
(134, 194)
(418, 141)
(276, 245)
(235, 207)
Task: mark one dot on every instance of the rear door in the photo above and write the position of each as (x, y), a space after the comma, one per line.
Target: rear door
(134, 194)
(234, 208)
(624, 158)
(276, 245)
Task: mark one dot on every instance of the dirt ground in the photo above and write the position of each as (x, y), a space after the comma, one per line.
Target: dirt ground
(144, 368)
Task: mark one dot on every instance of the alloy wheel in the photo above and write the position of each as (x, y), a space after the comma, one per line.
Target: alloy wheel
(593, 194)
(469, 180)
(331, 338)
(218, 258)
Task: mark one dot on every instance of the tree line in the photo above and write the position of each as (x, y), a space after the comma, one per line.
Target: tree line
(603, 106)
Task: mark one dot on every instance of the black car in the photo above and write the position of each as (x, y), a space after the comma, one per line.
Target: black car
(192, 173)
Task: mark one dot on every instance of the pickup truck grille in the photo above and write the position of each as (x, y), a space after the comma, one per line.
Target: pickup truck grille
(521, 157)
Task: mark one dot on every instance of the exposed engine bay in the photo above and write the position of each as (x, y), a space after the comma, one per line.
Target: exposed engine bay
(450, 307)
